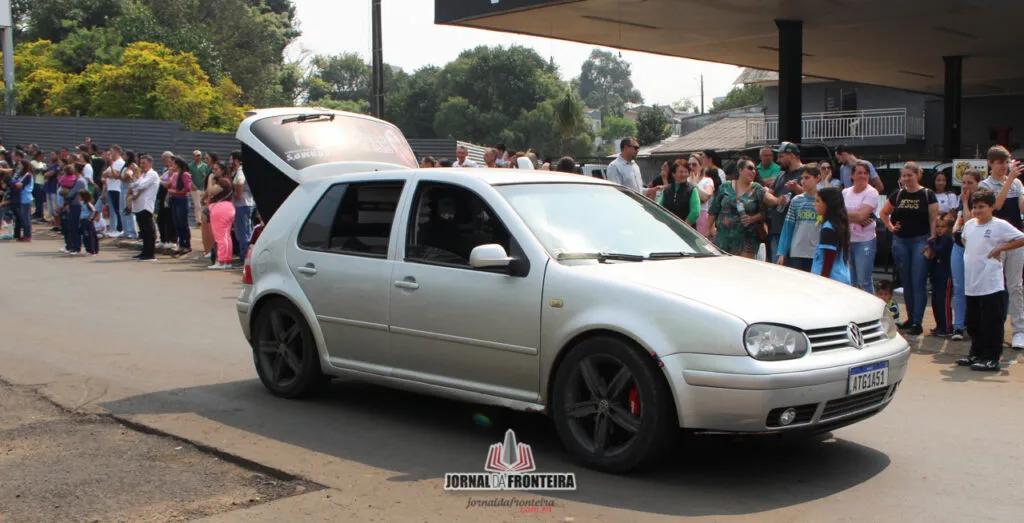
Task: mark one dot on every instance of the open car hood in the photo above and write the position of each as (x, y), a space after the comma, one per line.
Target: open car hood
(280, 145)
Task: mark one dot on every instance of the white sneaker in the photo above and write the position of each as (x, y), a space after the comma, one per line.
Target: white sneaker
(1018, 341)
(219, 266)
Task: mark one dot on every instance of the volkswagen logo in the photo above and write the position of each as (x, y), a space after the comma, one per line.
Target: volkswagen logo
(854, 335)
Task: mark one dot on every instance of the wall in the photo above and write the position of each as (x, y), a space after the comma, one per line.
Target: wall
(142, 136)
(822, 97)
(979, 116)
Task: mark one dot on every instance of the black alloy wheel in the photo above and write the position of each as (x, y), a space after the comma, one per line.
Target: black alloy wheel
(285, 353)
(612, 407)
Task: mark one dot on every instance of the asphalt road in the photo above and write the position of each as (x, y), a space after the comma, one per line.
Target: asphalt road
(159, 344)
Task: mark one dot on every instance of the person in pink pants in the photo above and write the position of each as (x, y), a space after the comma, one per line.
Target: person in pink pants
(222, 216)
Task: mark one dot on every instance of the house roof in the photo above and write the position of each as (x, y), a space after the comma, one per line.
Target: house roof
(727, 134)
(763, 77)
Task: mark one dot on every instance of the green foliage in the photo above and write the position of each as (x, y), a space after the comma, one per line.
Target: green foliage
(239, 39)
(749, 94)
(85, 46)
(616, 127)
(652, 126)
(686, 106)
(148, 80)
(352, 106)
(606, 83)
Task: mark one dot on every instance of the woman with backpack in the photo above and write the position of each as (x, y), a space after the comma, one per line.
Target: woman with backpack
(910, 214)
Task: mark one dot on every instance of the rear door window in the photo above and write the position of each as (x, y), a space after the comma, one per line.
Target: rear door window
(353, 218)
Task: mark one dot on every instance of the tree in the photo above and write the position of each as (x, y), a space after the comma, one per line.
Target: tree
(343, 77)
(617, 127)
(502, 79)
(606, 83)
(652, 126)
(88, 46)
(149, 80)
(749, 94)
(686, 106)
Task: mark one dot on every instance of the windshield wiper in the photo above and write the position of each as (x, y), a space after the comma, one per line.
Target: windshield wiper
(602, 257)
(677, 254)
(308, 118)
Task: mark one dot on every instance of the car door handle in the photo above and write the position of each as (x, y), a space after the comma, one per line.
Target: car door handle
(309, 269)
(407, 284)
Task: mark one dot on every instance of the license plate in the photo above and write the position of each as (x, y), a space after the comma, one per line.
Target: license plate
(868, 377)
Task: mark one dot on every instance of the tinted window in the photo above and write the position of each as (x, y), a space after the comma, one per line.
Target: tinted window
(353, 218)
(341, 139)
(448, 222)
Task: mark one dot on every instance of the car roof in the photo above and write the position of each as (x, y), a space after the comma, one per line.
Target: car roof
(496, 176)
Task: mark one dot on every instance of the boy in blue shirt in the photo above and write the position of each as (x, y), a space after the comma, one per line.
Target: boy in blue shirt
(799, 238)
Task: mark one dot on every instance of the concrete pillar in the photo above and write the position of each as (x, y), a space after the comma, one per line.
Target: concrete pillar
(953, 105)
(791, 50)
(8, 50)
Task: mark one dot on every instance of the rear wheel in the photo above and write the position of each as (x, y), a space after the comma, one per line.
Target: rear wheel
(613, 410)
(285, 353)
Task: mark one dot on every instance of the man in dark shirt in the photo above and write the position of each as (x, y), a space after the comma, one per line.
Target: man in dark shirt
(785, 187)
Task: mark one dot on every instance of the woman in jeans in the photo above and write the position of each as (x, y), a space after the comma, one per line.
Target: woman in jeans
(179, 190)
(971, 179)
(861, 202)
(910, 214)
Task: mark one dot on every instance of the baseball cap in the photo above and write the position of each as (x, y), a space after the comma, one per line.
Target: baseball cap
(787, 147)
(197, 152)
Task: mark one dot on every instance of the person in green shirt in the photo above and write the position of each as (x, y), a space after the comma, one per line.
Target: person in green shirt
(199, 171)
(768, 169)
(680, 198)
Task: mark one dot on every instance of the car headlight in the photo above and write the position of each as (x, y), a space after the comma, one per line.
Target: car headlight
(889, 325)
(773, 342)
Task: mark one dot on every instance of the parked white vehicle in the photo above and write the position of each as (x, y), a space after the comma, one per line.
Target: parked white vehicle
(537, 291)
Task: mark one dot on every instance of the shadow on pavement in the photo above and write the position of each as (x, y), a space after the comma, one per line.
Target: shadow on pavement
(423, 437)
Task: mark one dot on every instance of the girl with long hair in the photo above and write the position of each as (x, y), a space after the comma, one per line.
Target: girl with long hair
(222, 215)
(971, 180)
(833, 251)
(179, 189)
(948, 200)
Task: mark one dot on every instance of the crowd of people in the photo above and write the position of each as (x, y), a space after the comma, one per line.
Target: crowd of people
(809, 217)
(965, 247)
(89, 193)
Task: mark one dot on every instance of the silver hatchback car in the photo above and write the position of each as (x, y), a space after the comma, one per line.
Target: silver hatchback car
(537, 291)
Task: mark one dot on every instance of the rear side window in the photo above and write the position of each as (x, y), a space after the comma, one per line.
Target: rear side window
(354, 218)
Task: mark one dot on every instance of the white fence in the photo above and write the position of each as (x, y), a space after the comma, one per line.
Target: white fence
(842, 126)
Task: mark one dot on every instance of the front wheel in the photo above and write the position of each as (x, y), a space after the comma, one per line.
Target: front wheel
(285, 353)
(613, 410)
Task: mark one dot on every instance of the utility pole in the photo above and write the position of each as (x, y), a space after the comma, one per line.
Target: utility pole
(701, 94)
(7, 46)
(377, 97)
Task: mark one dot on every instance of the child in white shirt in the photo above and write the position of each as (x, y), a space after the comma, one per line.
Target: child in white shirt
(985, 238)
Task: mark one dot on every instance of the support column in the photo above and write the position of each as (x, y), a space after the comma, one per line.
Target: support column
(8, 50)
(791, 71)
(953, 105)
(377, 97)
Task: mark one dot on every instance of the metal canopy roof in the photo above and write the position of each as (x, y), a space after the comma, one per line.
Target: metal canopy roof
(894, 43)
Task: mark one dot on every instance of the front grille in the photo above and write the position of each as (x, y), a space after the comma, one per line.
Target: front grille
(804, 413)
(849, 404)
(835, 337)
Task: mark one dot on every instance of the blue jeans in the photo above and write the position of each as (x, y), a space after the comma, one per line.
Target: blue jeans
(771, 248)
(114, 203)
(243, 229)
(23, 220)
(913, 267)
(956, 263)
(179, 212)
(862, 264)
(74, 226)
(127, 219)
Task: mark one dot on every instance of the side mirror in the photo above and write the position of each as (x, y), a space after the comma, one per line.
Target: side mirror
(490, 255)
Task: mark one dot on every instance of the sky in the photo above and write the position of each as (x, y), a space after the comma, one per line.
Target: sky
(412, 40)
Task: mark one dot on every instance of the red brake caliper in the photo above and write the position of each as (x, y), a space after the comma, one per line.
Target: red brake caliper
(634, 401)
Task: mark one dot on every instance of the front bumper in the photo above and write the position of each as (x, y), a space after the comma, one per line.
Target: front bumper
(739, 394)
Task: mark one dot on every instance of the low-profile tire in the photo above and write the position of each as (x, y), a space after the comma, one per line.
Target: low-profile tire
(285, 353)
(591, 396)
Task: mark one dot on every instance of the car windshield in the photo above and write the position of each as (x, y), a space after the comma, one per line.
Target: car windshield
(603, 222)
